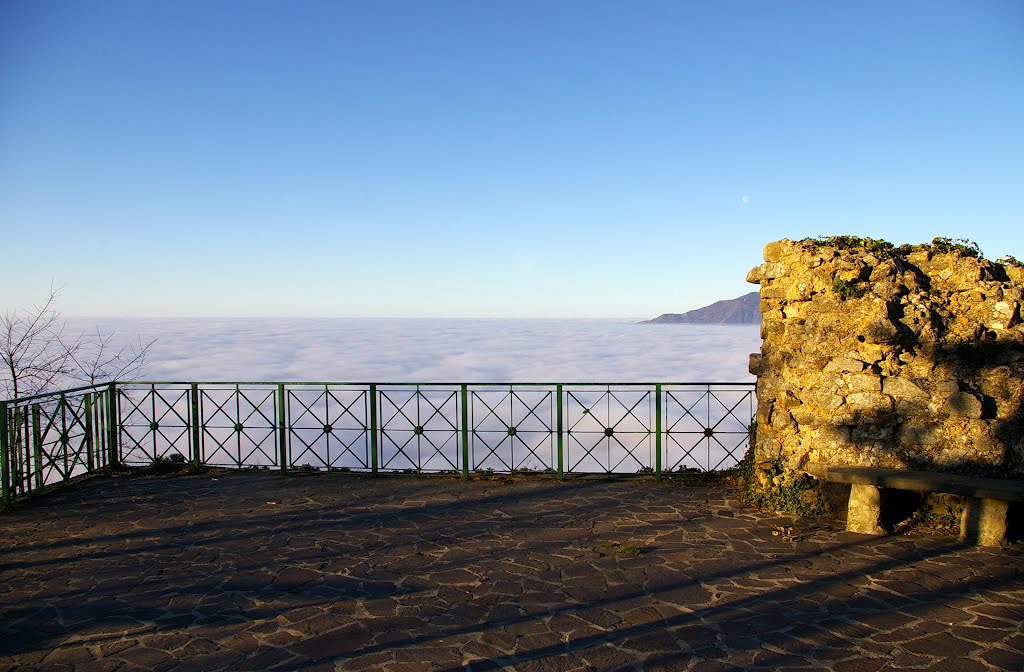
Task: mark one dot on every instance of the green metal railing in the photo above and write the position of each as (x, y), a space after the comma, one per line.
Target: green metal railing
(558, 428)
(52, 438)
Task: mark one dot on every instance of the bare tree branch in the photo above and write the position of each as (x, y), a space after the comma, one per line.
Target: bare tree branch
(98, 362)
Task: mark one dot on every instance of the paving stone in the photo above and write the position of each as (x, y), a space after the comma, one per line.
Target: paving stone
(942, 644)
(903, 660)
(1002, 659)
(338, 642)
(143, 656)
(70, 656)
(959, 665)
(860, 665)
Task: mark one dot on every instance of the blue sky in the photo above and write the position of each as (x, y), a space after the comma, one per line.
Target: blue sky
(544, 159)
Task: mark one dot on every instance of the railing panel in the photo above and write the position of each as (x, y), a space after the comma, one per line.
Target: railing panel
(419, 428)
(239, 426)
(155, 423)
(328, 427)
(609, 429)
(513, 429)
(707, 427)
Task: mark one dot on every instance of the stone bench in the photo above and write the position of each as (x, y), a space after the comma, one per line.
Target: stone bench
(986, 500)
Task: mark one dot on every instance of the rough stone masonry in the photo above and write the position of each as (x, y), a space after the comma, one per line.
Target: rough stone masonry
(907, 357)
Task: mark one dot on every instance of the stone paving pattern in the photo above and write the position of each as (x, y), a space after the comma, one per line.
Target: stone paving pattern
(258, 571)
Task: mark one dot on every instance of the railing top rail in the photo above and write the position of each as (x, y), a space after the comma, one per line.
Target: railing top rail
(439, 383)
(44, 395)
(86, 388)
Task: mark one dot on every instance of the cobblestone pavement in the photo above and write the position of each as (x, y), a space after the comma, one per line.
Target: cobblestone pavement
(256, 571)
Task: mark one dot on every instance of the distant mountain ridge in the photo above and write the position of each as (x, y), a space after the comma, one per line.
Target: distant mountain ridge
(745, 309)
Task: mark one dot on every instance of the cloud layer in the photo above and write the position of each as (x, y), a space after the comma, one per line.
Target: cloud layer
(439, 350)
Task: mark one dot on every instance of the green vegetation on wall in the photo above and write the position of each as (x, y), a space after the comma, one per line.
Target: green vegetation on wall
(768, 485)
(883, 249)
(847, 289)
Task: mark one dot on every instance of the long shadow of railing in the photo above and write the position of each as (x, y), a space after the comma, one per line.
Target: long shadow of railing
(757, 602)
(241, 583)
(252, 523)
(794, 629)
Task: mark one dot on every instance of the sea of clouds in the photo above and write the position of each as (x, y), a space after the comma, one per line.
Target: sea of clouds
(435, 350)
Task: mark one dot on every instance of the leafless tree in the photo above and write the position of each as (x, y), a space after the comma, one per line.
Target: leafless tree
(37, 355)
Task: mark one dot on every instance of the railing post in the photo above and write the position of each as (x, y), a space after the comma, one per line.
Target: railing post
(282, 428)
(195, 427)
(561, 458)
(99, 429)
(373, 429)
(465, 431)
(657, 431)
(113, 427)
(18, 445)
(5, 458)
(90, 460)
(65, 441)
(37, 445)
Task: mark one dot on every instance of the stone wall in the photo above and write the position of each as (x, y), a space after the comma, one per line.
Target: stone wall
(903, 358)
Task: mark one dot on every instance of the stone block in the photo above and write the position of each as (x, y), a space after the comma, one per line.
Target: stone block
(823, 399)
(869, 352)
(774, 251)
(886, 290)
(770, 271)
(914, 407)
(754, 276)
(869, 402)
(963, 404)
(902, 388)
(882, 331)
(844, 364)
(920, 435)
(806, 417)
(1005, 314)
(862, 382)
(755, 364)
(793, 311)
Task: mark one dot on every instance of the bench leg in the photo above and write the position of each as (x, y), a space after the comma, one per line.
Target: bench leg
(864, 509)
(983, 521)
